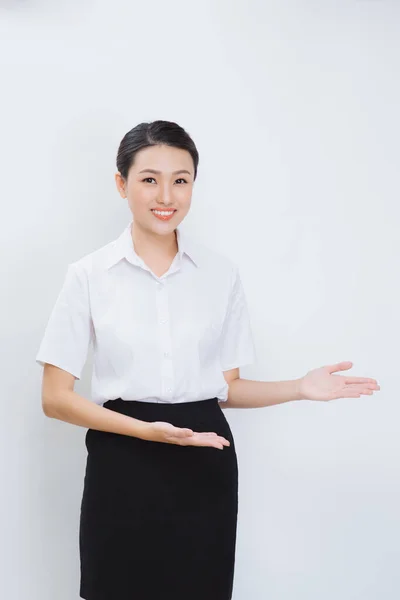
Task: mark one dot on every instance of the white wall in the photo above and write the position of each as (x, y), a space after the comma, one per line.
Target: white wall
(294, 108)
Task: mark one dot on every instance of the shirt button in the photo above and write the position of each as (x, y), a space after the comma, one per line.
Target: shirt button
(166, 354)
(169, 390)
(163, 320)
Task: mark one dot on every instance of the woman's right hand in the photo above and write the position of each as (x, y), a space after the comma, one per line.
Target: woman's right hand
(160, 431)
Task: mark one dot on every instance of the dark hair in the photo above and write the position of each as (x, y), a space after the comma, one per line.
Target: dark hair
(155, 133)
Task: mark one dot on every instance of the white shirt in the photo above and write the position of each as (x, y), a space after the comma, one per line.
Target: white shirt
(155, 339)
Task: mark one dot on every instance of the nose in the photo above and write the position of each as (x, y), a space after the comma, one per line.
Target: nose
(165, 196)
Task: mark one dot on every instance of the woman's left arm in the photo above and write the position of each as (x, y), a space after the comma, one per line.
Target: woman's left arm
(318, 384)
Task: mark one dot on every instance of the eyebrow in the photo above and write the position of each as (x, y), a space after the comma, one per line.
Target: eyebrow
(159, 172)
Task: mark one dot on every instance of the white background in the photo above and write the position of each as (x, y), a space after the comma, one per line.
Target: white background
(294, 107)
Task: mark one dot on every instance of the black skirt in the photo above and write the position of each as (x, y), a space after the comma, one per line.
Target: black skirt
(158, 521)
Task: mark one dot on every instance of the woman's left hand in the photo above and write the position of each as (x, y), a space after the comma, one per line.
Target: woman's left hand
(321, 384)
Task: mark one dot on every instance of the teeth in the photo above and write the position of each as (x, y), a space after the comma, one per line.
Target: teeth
(163, 213)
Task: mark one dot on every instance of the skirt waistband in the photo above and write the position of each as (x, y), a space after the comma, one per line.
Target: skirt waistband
(139, 408)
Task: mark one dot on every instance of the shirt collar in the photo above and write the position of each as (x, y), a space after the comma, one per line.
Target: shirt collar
(122, 247)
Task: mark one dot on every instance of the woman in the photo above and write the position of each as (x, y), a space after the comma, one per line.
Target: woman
(168, 320)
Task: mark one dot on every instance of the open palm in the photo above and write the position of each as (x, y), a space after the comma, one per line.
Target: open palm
(162, 431)
(322, 384)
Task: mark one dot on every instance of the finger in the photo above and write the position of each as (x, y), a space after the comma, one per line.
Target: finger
(349, 380)
(217, 438)
(182, 432)
(355, 394)
(224, 441)
(220, 445)
(360, 387)
(207, 441)
(342, 366)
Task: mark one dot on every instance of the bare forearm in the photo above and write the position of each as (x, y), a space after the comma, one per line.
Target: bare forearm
(247, 393)
(71, 407)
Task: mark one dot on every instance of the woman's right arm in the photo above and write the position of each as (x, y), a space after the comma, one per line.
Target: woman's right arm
(60, 401)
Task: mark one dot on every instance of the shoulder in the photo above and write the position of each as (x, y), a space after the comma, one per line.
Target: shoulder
(213, 259)
(92, 263)
(218, 268)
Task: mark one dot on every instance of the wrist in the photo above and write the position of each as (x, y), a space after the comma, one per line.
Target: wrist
(141, 429)
(298, 389)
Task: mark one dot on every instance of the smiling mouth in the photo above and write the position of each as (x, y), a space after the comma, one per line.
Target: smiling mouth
(163, 214)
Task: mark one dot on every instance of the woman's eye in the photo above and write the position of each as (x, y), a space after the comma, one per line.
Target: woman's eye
(180, 179)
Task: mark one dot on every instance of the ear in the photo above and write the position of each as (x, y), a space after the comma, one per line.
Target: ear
(121, 184)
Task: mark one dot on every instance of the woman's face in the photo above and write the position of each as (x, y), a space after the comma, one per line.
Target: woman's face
(161, 178)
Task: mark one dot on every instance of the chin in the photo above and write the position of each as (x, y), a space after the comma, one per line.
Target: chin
(161, 228)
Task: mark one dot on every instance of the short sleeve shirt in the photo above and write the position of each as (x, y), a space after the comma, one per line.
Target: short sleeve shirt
(155, 339)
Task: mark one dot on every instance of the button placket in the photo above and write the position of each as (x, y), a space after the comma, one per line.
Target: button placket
(165, 339)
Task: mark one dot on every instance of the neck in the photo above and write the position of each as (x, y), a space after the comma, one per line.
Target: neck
(148, 244)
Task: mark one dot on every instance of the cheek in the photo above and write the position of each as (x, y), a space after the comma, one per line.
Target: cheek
(140, 200)
(184, 207)
(184, 198)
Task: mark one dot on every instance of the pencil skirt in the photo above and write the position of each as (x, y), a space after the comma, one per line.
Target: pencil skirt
(158, 520)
